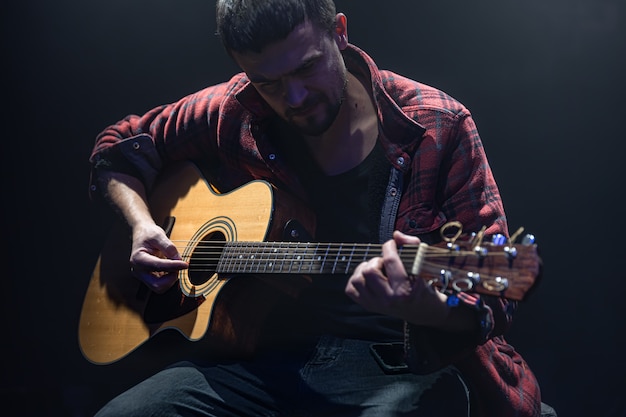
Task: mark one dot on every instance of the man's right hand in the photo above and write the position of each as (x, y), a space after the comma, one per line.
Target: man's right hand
(154, 258)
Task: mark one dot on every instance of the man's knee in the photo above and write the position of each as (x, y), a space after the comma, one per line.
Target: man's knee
(162, 394)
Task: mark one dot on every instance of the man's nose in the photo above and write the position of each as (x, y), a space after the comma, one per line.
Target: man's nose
(295, 92)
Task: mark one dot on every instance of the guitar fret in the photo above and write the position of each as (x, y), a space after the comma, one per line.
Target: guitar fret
(343, 259)
(229, 260)
(270, 264)
(252, 256)
(258, 258)
(336, 259)
(347, 269)
(293, 256)
(235, 258)
(366, 253)
(313, 258)
(270, 260)
(261, 257)
(298, 258)
(225, 259)
(240, 261)
(324, 258)
(283, 257)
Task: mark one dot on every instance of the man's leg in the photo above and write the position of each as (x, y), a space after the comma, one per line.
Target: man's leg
(188, 390)
(337, 378)
(357, 386)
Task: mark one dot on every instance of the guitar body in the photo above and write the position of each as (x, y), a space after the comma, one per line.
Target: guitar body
(119, 313)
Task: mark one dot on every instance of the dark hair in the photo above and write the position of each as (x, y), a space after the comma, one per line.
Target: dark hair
(250, 25)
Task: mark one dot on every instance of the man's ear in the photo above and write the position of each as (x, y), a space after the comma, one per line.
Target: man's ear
(341, 30)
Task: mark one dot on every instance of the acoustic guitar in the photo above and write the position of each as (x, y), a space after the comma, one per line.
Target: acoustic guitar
(245, 249)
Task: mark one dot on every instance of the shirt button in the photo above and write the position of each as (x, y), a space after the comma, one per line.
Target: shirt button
(401, 161)
(136, 145)
(272, 156)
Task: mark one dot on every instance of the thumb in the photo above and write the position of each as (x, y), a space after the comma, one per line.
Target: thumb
(404, 239)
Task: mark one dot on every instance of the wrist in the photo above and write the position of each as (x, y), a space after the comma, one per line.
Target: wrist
(452, 317)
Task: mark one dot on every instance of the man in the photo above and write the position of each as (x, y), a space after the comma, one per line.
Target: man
(369, 152)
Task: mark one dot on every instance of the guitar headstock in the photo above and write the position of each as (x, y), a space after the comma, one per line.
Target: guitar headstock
(474, 263)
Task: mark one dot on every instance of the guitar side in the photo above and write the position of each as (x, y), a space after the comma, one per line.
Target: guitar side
(119, 313)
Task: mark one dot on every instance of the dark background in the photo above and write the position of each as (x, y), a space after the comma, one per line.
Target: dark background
(543, 78)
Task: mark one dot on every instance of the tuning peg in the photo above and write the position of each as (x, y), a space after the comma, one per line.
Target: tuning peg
(528, 239)
(498, 239)
(481, 251)
(511, 252)
(498, 284)
(445, 276)
(453, 247)
(474, 277)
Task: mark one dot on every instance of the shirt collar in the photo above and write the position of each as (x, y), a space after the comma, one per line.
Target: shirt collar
(395, 124)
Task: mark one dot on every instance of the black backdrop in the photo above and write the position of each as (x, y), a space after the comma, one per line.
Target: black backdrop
(543, 78)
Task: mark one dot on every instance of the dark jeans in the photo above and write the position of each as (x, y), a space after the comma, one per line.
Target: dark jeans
(337, 377)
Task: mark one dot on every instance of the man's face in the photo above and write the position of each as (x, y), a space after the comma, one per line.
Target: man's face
(303, 77)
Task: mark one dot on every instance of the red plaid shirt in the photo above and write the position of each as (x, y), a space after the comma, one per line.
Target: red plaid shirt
(427, 135)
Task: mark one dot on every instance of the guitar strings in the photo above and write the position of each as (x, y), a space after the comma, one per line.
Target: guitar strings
(209, 258)
(218, 250)
(278, 256)
(241, 248)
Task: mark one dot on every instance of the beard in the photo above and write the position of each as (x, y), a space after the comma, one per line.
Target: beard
(316, 123)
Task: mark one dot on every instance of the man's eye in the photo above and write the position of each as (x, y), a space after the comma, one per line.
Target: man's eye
(307, 67)
(269, 87)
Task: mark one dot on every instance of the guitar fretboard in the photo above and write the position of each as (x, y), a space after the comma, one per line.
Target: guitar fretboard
(294, 257)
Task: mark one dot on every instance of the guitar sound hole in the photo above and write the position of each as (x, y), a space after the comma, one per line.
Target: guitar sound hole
(204, 258)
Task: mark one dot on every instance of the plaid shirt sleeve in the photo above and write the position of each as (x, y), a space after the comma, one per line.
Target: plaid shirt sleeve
(183, 130)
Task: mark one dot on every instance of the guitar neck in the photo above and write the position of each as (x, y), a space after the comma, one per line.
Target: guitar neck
(297, 257)
(491, 269)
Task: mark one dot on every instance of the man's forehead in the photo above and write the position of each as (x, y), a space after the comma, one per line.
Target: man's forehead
(302, 45)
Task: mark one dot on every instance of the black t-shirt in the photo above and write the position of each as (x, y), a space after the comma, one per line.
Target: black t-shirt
(347, 208)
